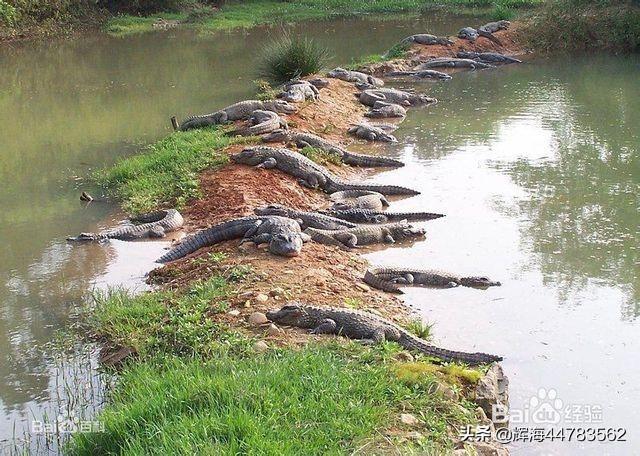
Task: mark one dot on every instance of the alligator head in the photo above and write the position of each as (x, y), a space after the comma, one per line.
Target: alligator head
(291, 314)
(282, 106)
(478, 282)
(409, 231)
(272, 209)
(276, 136)
(286, 244)
(247, 156)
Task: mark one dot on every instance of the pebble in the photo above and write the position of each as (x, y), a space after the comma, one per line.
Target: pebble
(262, 297)
(405, 357)
(362, 286)
(247, 247)
(234, 312)
(260, 347)
(276, 292)
(257, 319)
(409, 419)
(414, 435)
(273, 330)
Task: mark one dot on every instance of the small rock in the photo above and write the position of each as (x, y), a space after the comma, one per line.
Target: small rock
(493, 391)
(273, 330)
(247, 247)
(405, 357)
(375, 312)
(490, 449)
(362, 286)
(414, 435)
(247, 303)
(261, 297)
(409, 419)
(447, 391)
(260, 347)
(276, 292)
(257, 319)
(234, 312)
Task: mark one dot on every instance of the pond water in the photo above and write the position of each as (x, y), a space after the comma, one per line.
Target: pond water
(69, 107)
(536, 167)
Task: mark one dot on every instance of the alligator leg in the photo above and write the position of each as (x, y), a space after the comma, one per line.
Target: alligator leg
(385, 202)
(305, 237)
(263, 238)
(251, 232)
(326, 326)
(349, 240)
(382, 333)
(269, 163)
(157, 232)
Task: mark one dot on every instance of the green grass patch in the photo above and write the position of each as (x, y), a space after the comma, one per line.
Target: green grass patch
(166, 173)
(322, 157)
(324, 399)
(130, 25)
(290, 57)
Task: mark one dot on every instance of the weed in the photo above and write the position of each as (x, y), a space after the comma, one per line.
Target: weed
(320, 156)
(290, 57)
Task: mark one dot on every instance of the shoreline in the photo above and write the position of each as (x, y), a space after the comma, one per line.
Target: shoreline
(319, 275)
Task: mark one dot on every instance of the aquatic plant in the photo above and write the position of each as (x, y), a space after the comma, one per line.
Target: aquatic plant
(290, 57)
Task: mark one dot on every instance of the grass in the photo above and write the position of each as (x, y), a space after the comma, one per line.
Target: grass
(290, 57)
(397, 51)
(582, 25)
(166, 173)
(126, 24)
(322, 157)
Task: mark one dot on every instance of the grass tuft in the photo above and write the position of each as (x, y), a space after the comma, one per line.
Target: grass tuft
(167, 172)
(421, 329)
(290, 57)
(322, 157)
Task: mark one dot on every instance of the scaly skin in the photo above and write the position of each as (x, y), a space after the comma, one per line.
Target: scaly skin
(299, 90)
(468, 33)
(371, 133)
(424, 74)
(489, 57)
(309, 219)
(305, 139)
(493, 27)
(358, 199)
(427, 39)
(390, 279)
(355, 76)
(383, 110)
(237, 111)
(365, 326)
(262, 122)
(366, 234)
(369, 97)
(369, 216)
(154, 224)
(309, 173)
(452, 62)
(283, 235)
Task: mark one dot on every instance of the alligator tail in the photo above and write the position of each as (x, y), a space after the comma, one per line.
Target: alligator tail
(370, 161)
(384, 189)
(214, 235)
(372, 279)
(413, 343)
(318, 236)
(411, 216)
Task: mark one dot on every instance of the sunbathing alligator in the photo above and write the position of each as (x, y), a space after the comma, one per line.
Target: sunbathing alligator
(237, 111)
(371, 216)
(424, 74)
(390, 279)
(299, 90)
(283, 235)
(369, 97)
(487, 57)
(452, 62)
(358, 199)
(305, 139)
(372, 132)
(309, 219)
(309, 173)
(381, 109)
(355, 76)
(365, 326)
(154, 225)
(486, 31)
(427, 39)
(261, 122)
(493, 27)
(350, 238)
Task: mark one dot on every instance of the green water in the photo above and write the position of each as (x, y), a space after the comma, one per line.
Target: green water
(536, 167)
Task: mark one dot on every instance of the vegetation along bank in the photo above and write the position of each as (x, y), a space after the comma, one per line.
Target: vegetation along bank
(241, 346)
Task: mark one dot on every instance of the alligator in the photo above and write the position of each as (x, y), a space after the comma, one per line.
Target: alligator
(370, 216)
(369, 97)
(365, 326)
(427, 39)
(320, 83)
(237, 111)
(390, 279)
(309, 219)
(487, 57)
(452, 62)
(152, 225)
(424, 74)
(371, 133)
(283, 235)
(262, 122)
(350, 238)
(305, 139)
(468, 33)
(358, 199)
(382, 110)
(309, 173)
(355, 76)
(299, 90)
(493, 27)
(365, 86)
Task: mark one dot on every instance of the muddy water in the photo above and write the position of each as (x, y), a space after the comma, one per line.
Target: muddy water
(67, 108)
(538, 170)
